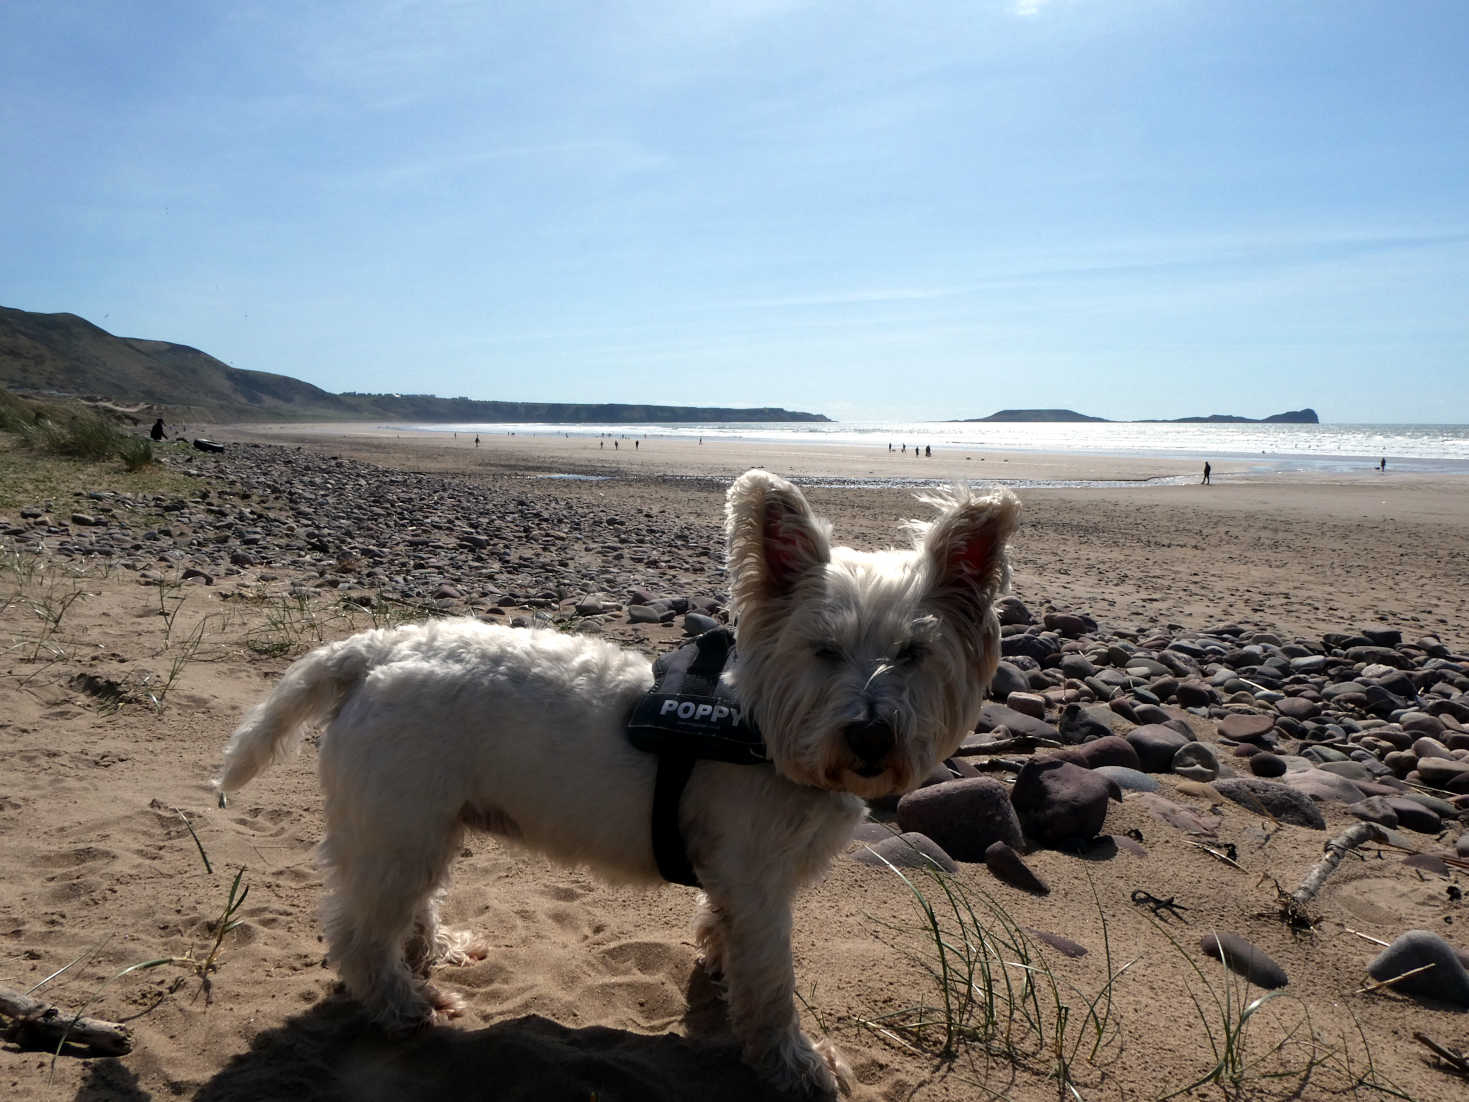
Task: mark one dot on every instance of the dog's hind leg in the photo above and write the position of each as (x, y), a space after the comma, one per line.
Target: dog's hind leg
(376, 891)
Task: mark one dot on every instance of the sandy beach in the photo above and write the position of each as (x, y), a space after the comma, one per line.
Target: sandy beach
(137, 635)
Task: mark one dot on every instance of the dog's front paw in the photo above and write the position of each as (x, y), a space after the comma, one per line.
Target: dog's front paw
(446, 1004)
(804, 1070)
(839, 1069)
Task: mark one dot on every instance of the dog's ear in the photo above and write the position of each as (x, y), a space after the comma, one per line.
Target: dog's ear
(966, 548)
(774, 539)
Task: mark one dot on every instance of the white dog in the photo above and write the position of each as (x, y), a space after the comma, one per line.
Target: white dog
(859, 670)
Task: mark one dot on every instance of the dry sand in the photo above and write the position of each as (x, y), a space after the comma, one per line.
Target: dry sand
(592, 991)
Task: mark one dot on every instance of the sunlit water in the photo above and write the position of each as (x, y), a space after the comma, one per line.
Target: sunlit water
(1330, 448)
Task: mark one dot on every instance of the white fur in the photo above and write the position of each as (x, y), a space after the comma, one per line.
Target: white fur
(861, 670)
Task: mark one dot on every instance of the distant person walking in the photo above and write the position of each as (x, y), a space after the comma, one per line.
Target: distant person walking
(1208, 474)
(157, 433)
(1383, 465)
(928, 451)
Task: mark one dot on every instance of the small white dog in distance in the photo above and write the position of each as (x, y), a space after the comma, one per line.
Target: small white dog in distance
(860, 671)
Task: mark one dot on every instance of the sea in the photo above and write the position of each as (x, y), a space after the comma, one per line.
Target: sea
(1325, 448)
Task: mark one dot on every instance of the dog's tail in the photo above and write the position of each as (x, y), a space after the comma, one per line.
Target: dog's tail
(310, 693)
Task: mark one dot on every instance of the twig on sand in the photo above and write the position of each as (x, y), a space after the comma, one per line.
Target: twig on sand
(1293, 907)
(1216, 854)
(1457, 1061)
(33, 1024)
(1380, 984)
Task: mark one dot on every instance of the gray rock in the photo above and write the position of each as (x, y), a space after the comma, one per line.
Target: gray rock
(1444, 773)
(1374, 809)
(1321, 785)
(1196, 761)
(696, 623)
(1413, 816)
(1077, 725)
(993, 715)
(1244, 958)
(1011, 610)
(909, 850)
(1272, 798)
(1008, 679)
(964, 817)
(1131, 780)
(1155, 745)
(1447, 981)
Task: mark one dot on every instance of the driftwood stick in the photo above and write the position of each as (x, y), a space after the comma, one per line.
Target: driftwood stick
(1336, 849)
(1455, 1060)
(1018, 744)
(33, 1024)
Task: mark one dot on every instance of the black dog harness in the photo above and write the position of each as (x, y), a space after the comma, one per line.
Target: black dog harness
(686, 716)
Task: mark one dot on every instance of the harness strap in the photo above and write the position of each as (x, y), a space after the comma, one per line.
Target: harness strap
(702, 679)
(668, 848)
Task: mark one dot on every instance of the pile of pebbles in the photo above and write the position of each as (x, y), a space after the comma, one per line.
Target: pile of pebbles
(504, 542)
(1387, 716)
(1365, 720)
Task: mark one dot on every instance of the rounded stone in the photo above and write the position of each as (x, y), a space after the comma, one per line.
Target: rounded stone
(1279, 801)
(1156, 744)
(1196, 761)
(1059, 802)
(964, 817)
(909, 850)
(1447, 981)
(1413, 816)
(1132, 780)
(1244, 958)
(1243, 727)
(1266, 764)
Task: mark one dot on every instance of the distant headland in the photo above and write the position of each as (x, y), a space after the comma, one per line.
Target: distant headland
(1305, 416)
(65, 355)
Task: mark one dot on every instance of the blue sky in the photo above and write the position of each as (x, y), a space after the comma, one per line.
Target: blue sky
(1133, 208)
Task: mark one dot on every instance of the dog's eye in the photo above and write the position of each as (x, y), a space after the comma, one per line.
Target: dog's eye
(828, 652)
(909, 653)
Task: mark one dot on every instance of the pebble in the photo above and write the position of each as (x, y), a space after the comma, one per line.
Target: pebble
(1272, 798)
(909, 850)
(1244, 958)
(1266, 764)
(1447, 981)
(1131, 780)
(963, 816)
(1155, 745)
(1008, 867)
(1196, 761)
(1059, 802)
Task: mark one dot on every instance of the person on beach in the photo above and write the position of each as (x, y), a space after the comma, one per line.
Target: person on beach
(476, 441)
(928, 451)
(1383, 465)
(157, 433)
(1208, 472)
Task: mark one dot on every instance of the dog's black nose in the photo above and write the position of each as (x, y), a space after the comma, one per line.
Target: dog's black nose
(869, 741)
